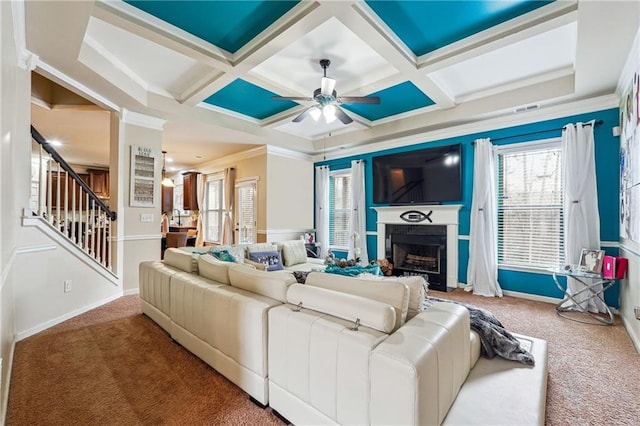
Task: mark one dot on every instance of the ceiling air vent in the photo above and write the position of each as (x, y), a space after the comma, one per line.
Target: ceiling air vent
(527, 108)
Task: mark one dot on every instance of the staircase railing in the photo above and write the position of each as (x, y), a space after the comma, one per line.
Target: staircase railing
(70, 205)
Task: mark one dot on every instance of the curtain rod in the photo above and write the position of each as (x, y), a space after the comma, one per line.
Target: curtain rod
(596, 123)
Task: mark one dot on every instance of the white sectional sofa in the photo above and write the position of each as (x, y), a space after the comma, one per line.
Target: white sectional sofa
(339, 350)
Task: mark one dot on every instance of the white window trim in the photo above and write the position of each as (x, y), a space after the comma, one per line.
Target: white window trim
(251, 182)
(550, 143)
(333, 174)
(210, 178)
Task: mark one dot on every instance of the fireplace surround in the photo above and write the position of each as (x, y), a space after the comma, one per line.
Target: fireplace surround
(423, 240)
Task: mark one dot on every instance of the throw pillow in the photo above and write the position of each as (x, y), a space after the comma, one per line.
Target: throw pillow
(235, 251)
(294, 252)
(271, 259)
(223, 255)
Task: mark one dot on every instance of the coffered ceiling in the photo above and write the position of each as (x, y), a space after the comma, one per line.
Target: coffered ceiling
(211, 67)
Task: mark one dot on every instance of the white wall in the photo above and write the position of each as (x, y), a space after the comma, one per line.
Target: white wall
(137, 241)
(14, 121)
(40, 299)
(630, 287)
(289, 196)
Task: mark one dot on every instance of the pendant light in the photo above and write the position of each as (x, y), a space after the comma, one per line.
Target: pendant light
(165, 180)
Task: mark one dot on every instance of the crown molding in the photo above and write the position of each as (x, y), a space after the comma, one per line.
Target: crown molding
(283, 152)
(215, 165)
(510, 120)
(142, 120)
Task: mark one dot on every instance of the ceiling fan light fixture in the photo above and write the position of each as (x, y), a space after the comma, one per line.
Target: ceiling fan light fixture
(327, 85)
(329, 112)
(315, 113)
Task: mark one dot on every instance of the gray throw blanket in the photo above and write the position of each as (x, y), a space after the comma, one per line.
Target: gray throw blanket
(494, 338)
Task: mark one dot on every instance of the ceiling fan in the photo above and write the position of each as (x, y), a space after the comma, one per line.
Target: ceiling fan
(327, 100)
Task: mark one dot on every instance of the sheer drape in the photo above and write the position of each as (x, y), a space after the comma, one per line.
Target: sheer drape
(322, 209)
(229, 196)
(358, 228)
(482, 271)
(581, 215)
(202, 181)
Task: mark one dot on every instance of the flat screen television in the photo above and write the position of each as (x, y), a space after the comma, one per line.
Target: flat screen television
(425, 176)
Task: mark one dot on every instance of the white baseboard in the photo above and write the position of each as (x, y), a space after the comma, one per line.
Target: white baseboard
(48, 324)
(8, 366)
(527, 296)
(131, 292)
(634, 339)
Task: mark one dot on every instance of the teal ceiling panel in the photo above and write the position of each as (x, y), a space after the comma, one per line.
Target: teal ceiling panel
(425, 26)
(393, 100)
(248, 99)
(226, 24)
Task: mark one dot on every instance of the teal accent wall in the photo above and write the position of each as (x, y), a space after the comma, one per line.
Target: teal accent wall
(608, 181)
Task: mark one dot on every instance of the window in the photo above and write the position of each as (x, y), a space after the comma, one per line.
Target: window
(530, 212)
(213, 214)
(339, 209)
(246, 214)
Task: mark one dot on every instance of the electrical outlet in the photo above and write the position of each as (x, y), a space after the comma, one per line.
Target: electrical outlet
(67, 286)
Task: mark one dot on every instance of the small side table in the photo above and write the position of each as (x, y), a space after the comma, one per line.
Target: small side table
(589, 292)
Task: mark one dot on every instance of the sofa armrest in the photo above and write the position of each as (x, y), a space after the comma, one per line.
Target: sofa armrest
(418, 370)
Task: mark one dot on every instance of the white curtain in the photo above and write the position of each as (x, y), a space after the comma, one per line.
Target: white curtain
(229, 196)
(482, 271)
(322, 209)
(202, 179)
(581, 215)
(358, 228)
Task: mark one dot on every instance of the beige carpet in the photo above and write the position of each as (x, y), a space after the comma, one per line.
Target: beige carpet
(114, 366)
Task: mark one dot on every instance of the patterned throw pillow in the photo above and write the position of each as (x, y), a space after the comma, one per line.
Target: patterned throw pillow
(235, 251)
(223, 255)
(271, 259)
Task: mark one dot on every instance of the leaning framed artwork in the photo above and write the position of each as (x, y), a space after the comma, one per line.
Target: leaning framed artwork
(143, 177)
(591, 261)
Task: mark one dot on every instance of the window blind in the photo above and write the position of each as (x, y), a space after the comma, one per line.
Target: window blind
(214, 209)
(246, 214)
(339, 209)
(530, 212)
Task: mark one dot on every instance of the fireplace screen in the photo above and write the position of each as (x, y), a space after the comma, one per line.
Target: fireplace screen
(417, 257)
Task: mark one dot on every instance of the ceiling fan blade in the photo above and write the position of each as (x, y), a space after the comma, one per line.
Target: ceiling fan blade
(327, 85)
(359, 100)
(302, 116)
(342, 116)
(291, 98)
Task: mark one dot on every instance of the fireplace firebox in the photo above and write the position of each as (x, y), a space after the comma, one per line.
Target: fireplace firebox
(419, 250)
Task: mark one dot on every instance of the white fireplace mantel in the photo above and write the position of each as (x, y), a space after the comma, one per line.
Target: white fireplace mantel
(446, 214)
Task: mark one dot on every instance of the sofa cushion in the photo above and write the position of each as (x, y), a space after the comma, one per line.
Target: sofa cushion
(258, 247)
(293, 252)
(271, 259)
(390, 292)
(214, 269)
(236, 251)
(269, 284)
(370, 313)
(417, 290)
(182, 260)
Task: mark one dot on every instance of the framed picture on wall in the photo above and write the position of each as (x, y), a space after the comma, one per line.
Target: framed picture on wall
(143, 177)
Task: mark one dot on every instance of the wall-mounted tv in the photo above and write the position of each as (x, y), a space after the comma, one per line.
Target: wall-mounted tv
(425, 176)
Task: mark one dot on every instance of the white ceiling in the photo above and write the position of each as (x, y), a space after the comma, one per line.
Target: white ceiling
(562, 52)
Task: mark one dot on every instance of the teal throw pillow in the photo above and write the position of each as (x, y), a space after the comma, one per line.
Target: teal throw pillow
(223, 255)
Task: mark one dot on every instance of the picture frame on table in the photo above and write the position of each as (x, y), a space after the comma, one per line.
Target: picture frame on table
(591, 261)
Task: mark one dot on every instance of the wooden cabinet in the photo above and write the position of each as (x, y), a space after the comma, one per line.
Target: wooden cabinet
(190, 190)
(99, 182)
(167, 199)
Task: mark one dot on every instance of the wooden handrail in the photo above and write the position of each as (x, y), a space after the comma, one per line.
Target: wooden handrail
(54, 154)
